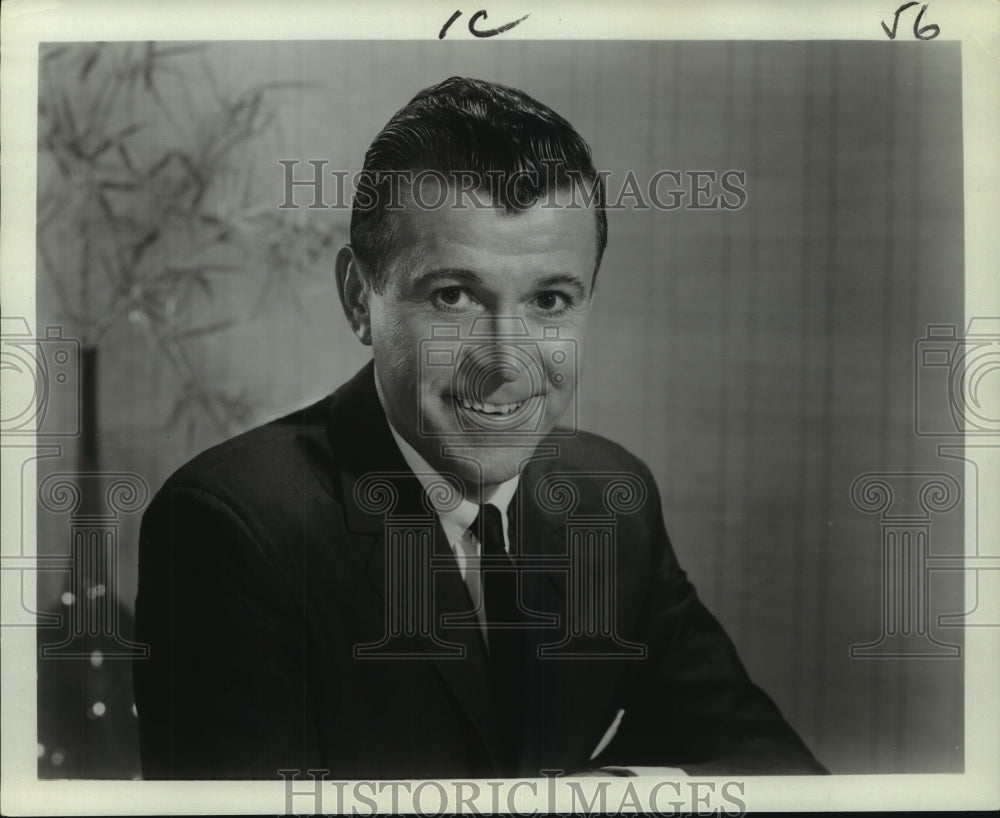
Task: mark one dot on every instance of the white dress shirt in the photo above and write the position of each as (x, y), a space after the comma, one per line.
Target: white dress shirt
(465, 544)
(456, 522)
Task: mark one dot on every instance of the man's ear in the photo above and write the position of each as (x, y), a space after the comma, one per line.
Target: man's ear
(355, 292)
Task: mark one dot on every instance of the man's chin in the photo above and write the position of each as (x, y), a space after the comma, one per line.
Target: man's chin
(479, 459)
(480, 477)
(480, 447)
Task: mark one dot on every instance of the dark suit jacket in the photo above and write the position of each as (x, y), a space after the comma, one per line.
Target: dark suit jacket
(263, 567)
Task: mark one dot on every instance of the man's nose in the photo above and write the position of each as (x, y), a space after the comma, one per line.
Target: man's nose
(499, 369)
(495, 364)
(499, 360)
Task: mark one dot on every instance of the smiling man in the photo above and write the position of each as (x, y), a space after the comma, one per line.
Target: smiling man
(434, 572)
(514, 287)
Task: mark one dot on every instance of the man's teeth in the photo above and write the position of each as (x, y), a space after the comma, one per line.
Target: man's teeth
(491, 408)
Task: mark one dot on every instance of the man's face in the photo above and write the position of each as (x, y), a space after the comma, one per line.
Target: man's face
(477, 333)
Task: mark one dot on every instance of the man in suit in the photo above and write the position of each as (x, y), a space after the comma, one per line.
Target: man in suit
(426, 575)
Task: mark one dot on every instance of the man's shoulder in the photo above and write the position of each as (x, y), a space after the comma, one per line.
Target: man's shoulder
(263, 459)
(588, 452)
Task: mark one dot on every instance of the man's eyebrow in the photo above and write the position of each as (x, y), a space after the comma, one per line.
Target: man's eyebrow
(453, 273)
(471, 277)
(562, 279)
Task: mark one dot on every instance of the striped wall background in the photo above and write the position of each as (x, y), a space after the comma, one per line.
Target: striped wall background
(758, 359)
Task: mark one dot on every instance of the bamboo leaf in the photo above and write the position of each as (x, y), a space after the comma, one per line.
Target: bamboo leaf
(144, 243)
(202, 270)
(176, 412)
(100, 149)
(113, 184)
(66, 109)
(126, 132)
(209, 329)
(89, 63)
(106, 208)
(126, 158)
(277, 86)
(147, 66)
(174, 50)
(52, 53)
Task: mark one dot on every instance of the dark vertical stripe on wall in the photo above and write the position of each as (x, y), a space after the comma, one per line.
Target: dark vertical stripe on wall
(801, 420)
(920, 200)
(829, 391)
(909, 291)
(887, 696)
(652, 125)
(573, 92)
(751, 411)
(884, 386)
(890, 281)
(726, 552)
(672, 273)
(826, 486)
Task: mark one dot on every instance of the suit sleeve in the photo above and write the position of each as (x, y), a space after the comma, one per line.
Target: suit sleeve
(692, 704)
(223, 692)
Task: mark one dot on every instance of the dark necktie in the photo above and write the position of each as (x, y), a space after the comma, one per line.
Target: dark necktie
(499, 581)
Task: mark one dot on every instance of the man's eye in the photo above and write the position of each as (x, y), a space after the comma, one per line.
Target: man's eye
(551, 301)
(452, 298)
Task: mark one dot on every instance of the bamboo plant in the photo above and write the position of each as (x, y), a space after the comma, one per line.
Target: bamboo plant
(146, 217)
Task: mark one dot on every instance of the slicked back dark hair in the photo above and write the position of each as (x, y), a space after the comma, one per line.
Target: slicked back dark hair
(522, 150)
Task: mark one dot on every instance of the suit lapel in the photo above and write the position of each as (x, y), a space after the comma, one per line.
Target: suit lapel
(468, 676)
(380, 494)
(541, 534)
(376, 488)
(567, 694)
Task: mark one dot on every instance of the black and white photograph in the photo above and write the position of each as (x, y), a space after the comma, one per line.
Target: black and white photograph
(500, 409)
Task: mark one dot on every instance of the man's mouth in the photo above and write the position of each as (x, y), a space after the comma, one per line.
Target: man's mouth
(474, 415)
(484, 408)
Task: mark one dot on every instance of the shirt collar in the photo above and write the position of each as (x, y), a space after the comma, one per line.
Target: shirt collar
(454, 521)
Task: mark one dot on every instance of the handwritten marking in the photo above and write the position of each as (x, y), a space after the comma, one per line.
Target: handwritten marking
(928, 32)
(457, 14)
(478, 32)
(491, 32)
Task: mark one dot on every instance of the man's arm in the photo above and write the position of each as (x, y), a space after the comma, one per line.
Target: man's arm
(223, 693)
(693, 705)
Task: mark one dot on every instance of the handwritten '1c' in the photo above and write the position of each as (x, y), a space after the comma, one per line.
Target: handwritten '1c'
(477, 32)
